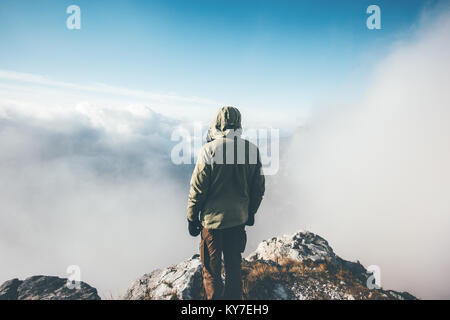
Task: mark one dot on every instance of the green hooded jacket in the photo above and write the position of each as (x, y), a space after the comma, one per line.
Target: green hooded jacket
(227, 183)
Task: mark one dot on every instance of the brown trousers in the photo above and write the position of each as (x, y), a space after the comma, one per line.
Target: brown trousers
(231, 242)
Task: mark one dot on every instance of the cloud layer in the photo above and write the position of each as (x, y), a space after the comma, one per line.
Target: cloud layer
(373, 177)
(91, 186)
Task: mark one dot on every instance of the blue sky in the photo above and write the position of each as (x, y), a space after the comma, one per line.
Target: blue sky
(283, 55)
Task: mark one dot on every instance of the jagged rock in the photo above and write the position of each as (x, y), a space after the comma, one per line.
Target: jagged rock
(303, 246)
(45, 288)
(8, 290)
(298, 267)
(179, 282)
(300, 246)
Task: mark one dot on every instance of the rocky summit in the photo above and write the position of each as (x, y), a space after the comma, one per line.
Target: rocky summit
(45, 288)
(301, 266)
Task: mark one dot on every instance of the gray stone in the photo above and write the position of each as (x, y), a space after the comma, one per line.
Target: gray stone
(45, 288)
(179, 282)
(8, 290)
(300, 246)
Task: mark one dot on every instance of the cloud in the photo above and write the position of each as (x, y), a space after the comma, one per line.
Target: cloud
(102, 88)
(90, 185)
(43, 96)
(373, 177)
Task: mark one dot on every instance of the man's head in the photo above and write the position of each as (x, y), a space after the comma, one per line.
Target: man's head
(228, 118)
(227, 122)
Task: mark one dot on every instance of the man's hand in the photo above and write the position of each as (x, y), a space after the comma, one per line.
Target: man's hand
(194, 227)
(250, 220)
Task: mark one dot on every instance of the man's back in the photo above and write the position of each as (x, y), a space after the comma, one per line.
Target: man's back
(228, 175)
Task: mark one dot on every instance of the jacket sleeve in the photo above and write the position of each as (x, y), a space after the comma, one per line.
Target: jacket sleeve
(257, 187)
(199, 186)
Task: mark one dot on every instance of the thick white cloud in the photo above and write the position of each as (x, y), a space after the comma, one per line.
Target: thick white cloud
(374, 178)
(93, 186)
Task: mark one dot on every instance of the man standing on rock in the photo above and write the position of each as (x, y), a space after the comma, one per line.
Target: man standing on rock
(226, 189)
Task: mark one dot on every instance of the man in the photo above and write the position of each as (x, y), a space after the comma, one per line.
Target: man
(226, 189)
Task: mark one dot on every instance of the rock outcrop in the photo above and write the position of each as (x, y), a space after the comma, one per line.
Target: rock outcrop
(298, 267)
(305, 246)
(181, 282)
(45, 288)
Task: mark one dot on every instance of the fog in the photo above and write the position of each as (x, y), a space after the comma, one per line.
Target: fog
(373, 178)
(92, 186)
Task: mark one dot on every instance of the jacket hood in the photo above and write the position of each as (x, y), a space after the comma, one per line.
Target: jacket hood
(226, 123)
